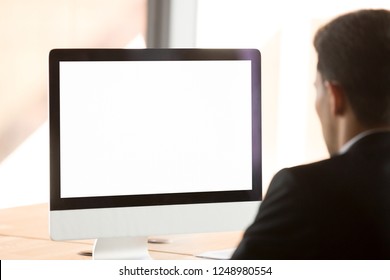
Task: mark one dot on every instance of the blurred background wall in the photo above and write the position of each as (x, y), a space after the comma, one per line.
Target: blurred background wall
(281, 29)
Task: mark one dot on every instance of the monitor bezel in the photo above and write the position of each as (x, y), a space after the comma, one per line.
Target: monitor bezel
(58, 55)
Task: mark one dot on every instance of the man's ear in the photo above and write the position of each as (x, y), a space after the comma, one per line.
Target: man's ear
(338, 99)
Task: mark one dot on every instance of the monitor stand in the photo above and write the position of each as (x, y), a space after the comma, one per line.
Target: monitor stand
(121, 248)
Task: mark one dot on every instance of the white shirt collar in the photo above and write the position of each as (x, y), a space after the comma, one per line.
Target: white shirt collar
(360, 136)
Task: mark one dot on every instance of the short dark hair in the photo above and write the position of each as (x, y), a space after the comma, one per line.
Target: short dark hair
(354, 51)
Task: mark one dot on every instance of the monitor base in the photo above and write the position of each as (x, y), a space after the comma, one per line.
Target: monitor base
(121, 248)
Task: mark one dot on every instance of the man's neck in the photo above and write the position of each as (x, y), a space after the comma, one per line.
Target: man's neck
(348, 128)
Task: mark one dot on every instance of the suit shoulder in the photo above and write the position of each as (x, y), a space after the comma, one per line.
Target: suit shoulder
(308, 178)
(326, 166)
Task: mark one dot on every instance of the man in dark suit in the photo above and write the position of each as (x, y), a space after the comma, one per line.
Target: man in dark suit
(338, 208)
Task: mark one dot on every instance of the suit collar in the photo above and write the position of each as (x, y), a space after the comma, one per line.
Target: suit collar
(360, 136)
(368, 140)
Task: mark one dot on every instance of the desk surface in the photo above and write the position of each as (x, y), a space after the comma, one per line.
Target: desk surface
(24, 235)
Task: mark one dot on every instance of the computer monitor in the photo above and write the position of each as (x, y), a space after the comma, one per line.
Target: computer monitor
(152, 142)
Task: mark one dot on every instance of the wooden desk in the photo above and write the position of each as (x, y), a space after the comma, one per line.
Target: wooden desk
(24, 235)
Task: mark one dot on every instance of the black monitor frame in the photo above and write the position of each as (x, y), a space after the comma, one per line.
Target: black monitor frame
(58, 55)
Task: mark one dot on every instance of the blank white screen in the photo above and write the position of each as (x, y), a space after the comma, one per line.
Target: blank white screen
(150, 127)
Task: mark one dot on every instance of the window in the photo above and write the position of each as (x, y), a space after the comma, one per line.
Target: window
(29, 30)
(283, 31)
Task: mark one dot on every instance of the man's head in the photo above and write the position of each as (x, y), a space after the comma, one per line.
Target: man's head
(353, 81)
